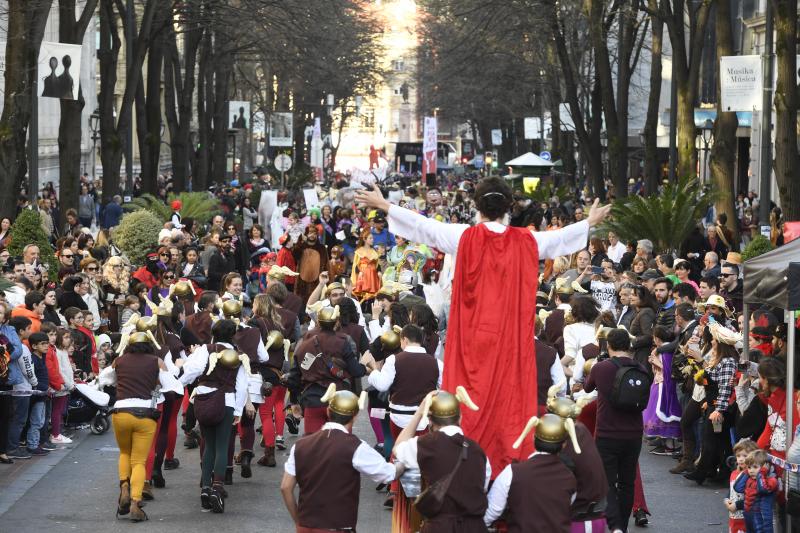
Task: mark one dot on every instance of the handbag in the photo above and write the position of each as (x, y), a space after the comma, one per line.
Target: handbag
(429, 502)
(209, 409)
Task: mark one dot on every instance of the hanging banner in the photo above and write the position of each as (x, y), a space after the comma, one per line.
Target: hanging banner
(429, 140)
(280, 129)
(740, 83)
(238, 115)
(311, 198)
(533, 127)
(497, 137)
(58, 70)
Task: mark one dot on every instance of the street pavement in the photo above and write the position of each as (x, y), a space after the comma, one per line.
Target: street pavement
(75, 489)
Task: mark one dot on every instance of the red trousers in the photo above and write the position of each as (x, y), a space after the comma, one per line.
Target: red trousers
(273, 416)
(313, 419)
(247, 430)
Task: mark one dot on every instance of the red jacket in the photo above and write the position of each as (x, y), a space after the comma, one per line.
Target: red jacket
(777, 408)
(146, 277)
(53, 369)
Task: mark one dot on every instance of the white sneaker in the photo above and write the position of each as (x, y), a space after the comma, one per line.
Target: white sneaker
(60, 439)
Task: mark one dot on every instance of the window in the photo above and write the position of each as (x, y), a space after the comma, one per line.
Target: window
(398, 65)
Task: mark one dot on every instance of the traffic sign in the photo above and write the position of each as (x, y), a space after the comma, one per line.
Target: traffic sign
(546, 155)
(478, 161)
(283, 162)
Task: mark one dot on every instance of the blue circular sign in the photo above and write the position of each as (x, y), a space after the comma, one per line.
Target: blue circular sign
(545, 155)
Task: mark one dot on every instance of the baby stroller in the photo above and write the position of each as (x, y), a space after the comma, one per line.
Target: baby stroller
(87, 405)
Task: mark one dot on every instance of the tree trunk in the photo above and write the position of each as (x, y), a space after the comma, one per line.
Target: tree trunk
(786, 156)
(723, 154)
(652, 172)
(205, 97)
(25, 30)
(687, 155)
(71, 31)
(108, 58)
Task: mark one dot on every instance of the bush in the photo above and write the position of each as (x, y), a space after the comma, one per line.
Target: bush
(27, 229)
(200, 206)
(758, 246)
(137, 234)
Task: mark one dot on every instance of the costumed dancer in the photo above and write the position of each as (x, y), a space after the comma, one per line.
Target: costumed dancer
(278, 327)
(137, 374)
(196, 331)
(312, 259)
(219, 399)
(293, 302)
(537, 492)
(324, 358)
(169, 316)
(449, 461)
(486, 351)
(364, 276)
(408, 377)
(587, 511)
(248, 340)
(327, 467)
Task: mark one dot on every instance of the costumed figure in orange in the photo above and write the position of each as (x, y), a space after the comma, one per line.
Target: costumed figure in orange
(312, 259)
(365, 277)
(336, 263)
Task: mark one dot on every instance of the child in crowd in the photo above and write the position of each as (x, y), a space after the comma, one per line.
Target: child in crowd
(61, 394)
(105, 353)
(88, 330)
(131, 306)
(38, 408)
(741, 450)
(759, 488)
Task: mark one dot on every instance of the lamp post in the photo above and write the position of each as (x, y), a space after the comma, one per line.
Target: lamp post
(94, 126)
(705, 137)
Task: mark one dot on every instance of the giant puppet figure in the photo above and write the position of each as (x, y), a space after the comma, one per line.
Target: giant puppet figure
(490, 344)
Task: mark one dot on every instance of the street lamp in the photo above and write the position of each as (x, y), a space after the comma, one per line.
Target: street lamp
(94, 126)
(705, 137)
(329, 102)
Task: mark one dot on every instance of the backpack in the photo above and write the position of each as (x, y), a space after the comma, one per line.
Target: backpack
(631, 389)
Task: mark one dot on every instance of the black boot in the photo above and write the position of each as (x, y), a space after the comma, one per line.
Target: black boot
(697, 476)
(229, 475)
(171, 464)
(158, 479)
(245, 457)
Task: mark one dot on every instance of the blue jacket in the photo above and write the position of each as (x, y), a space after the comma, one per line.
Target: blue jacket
(111, 214)
(15, 352)
(383, 238)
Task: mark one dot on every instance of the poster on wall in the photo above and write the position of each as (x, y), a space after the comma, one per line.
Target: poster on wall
(280, 129)
(238, 115)
(59, 70)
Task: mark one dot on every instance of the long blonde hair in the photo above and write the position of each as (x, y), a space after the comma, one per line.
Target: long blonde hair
(265, 307)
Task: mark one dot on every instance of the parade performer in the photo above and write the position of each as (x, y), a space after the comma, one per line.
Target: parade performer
(312, 259)
(490, 328)
(293, 302)
(247, 340)
(327, 467)
(137, 374)
(365, 277)
(322, 359)
(537, 492)
(587, 511)
(448, 460)
(278, 327)
(219, 399)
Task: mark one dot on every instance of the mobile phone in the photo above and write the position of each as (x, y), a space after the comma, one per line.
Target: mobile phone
(597, 270)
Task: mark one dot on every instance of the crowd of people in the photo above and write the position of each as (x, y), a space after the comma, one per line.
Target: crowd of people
(233, 323)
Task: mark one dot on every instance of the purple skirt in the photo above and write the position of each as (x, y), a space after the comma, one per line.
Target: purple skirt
(662, 418)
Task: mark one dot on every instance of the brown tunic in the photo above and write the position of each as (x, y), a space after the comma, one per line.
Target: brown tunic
(545, 357)
(199, 324)
(539, 496)
(465, 502)
(137, 375)
(329, 485)
(589, 472)
(416, 374)
(221, 378)
(554, 331)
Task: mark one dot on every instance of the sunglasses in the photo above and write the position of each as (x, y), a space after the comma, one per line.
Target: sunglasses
(91, 269)
(169, 277)
(67, 256)
(165, 255)
(724, 275)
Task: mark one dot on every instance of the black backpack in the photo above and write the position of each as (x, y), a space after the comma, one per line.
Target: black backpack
(631, 389)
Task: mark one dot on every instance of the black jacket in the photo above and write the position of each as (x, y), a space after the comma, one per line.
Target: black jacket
(218, 266)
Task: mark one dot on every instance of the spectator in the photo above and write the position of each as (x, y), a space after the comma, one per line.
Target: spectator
(618, 432)
(642, 324)
(665, 316)
(60, 341)
(33, 310)
(711, 263)
(112, 213)
(616, 249)
(730, 287)
(73, 225)
(85, 207)
(27, 382)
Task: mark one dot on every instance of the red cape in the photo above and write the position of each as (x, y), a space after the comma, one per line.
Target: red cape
(490, 345)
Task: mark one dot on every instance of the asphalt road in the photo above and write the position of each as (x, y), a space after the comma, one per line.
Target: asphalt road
(79, 493)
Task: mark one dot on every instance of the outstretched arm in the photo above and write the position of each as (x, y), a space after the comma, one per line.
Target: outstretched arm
(572, 238)
(414, 226)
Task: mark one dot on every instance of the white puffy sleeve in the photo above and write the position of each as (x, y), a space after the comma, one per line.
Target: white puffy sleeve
(417, 228)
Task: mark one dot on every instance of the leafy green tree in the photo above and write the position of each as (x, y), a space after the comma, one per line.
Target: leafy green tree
(27, 229)
(137, 234)
(197, 205)
(666, 219)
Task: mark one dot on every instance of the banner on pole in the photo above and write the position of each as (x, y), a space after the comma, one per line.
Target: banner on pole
(58, 70)
(238, 115)
(740, 83)
(280, 129)
(533, 128)
(429, 139)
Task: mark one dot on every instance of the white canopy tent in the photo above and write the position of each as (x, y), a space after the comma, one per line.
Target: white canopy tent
(529, 160)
